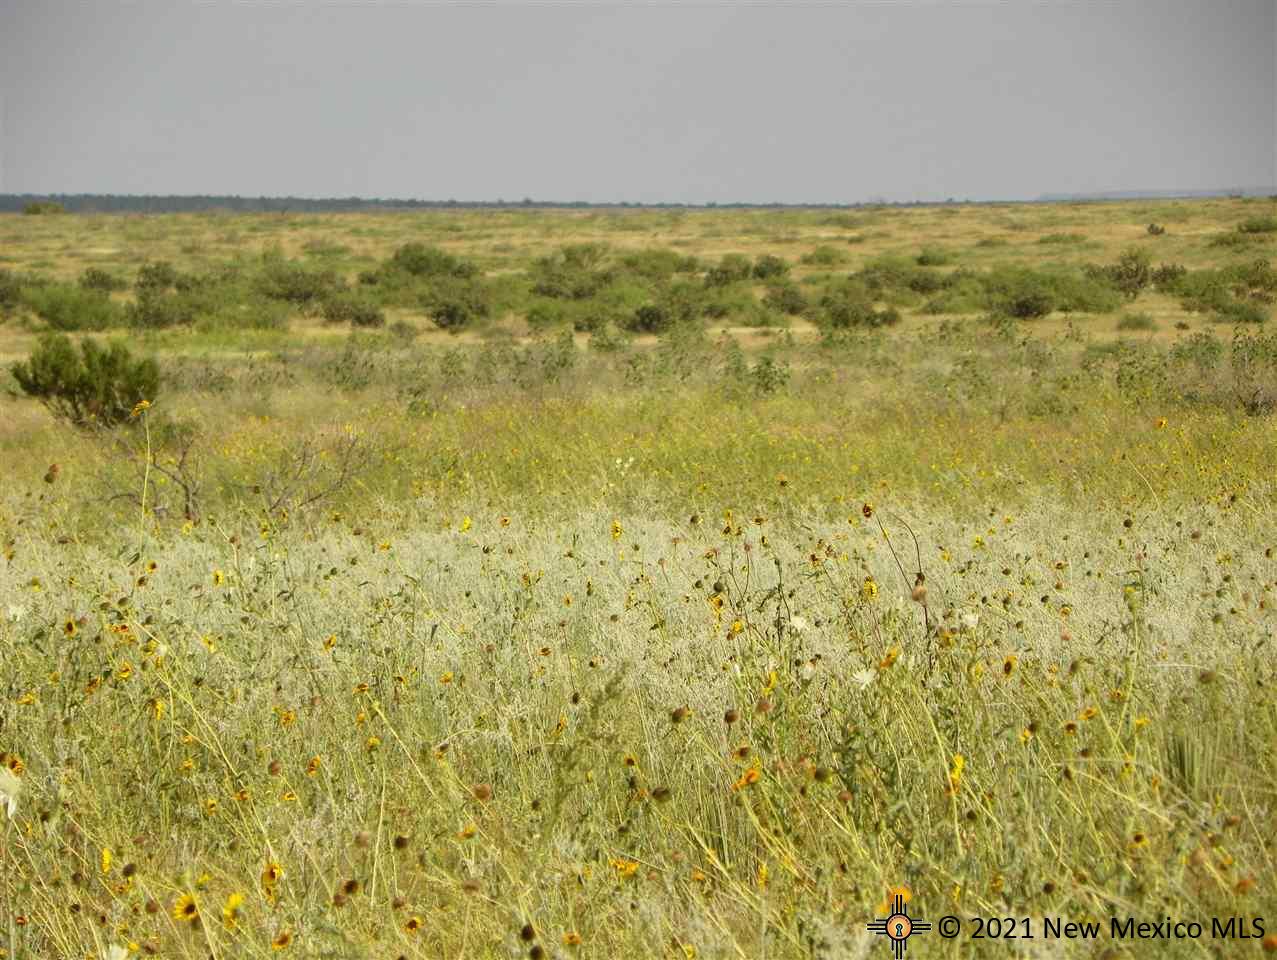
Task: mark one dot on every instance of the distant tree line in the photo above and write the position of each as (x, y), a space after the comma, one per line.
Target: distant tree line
(118, 203)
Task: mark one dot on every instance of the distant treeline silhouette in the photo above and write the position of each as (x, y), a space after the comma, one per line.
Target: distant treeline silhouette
(116, 203)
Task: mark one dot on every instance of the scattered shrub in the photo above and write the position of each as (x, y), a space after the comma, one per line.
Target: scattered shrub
(786, 298)
(933, 257)
(454, 303)
(1258, 225)
(355, 310)
(66, 307)
(420, 260)
(823, 256)
(850, 304)
(101, 281)
(1156, 230)
(1136, 321)
(1062, 238)
(575, 272)
(733, 268)
(295, 283)
(1131, 274)
(1165, 277)
(96, 386)
(156, 277)
(156, 310)
(768, 267)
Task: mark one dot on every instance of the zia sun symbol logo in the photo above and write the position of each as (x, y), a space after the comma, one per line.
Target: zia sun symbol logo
(899, 926)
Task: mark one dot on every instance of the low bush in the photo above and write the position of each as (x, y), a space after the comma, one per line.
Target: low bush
(94, 386)
(454, 303)
(1136, 321)
(1258, 225)
(420, 260)
(352, 309)
(101, 281)
(733, 268)
(786, 297)
(823, 256)
(933, 257)
(768, 267)
(66, 307)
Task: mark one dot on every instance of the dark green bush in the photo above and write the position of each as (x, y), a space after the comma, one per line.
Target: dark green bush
(1258, 225)
(420, 260)
(1062, 238)
(10, 291)
(768, 267)
(96, 386)
(1168, 274)
(296, 283)
(156, 310)
(575, 272)
(823, 256)
(933, 257)
(1131, 274)
(786, 297)
(658, 265)
(1241, 311)
(850, 304)
(355, 310)
(454, 303)
(101, 281)
(67, 307)
(733, 268)
(156, 277)
(1136, 321)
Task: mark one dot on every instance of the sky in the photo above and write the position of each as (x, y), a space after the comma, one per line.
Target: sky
(609, 102)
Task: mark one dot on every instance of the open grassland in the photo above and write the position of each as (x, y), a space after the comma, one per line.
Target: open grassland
(569, 590)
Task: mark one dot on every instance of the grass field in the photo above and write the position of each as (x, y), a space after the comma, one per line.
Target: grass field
(668, 604)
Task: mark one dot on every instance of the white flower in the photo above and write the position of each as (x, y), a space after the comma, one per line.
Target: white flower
(10, 788)
(116, 952)
(863, 678)
(969, 620)
(15, 612)
(799, 625)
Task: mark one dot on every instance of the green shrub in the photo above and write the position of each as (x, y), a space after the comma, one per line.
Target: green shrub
(1240, 311)
(894, 275)
(156, 310)
(933, 257)
(733, 268)
(1131, 274)
(1136, 321)
(823, 256)
(454, 303)
(355, 310)
(1062, 238)
(1156, 230)
(156, 277)
(658, 265)
(1167, 275)
(10, 291)
(575, 272)
(101, 281)
(96, 386)
(1258, 225)
(296, 283)
(420, 260)
(786, 297)
(850, 304)
(1019, 292)
(768, 267)
(67, 307)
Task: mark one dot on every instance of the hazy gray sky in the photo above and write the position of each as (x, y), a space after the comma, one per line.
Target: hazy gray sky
(674, 102)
